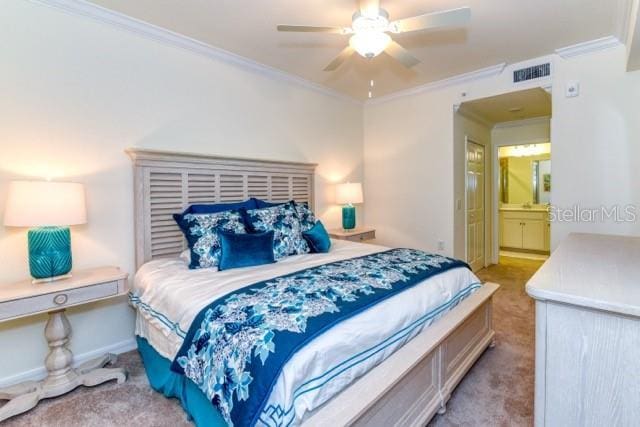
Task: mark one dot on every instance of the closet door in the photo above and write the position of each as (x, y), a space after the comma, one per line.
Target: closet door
(475, 205)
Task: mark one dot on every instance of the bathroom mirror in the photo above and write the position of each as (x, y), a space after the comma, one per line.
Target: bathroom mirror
(525, 174)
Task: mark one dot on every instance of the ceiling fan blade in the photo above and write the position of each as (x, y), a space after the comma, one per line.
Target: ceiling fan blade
(309, 29)
(342, 56)
(453, 17)
(401, 54)
(369, 7)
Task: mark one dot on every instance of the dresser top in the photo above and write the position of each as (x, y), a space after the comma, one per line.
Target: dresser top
(79, 279)
(592, 270)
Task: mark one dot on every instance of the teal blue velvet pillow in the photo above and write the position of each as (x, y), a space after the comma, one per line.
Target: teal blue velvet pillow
(245, 250)
(317, 238)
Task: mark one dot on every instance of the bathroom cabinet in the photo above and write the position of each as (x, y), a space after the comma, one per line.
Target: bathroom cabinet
(524, 229)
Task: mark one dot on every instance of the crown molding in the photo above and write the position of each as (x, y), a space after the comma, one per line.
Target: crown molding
(523, 122)
(121, 21)
(588, 47)
(482, 73)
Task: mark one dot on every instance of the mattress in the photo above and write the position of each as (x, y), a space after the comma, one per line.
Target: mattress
(168, 296)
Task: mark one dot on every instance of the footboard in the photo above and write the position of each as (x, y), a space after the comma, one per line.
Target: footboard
(410, 386)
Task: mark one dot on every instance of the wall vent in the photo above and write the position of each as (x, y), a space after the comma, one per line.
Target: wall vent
(530, 73)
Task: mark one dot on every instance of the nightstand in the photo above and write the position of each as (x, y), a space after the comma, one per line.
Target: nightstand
(26, 299)
(359, 234)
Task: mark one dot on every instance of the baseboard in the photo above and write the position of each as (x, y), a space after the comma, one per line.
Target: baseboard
(40, 372)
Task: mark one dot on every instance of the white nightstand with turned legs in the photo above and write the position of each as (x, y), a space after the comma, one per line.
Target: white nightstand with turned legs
(26, 299)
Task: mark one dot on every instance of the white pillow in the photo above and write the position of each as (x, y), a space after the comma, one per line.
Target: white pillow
(186, 256)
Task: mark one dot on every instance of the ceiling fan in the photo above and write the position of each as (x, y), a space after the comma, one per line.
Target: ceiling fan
(369, 28)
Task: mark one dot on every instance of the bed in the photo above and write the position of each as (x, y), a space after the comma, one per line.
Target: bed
(399, 372)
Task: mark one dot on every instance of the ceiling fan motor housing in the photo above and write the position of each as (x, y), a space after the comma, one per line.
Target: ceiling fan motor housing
(379, 22)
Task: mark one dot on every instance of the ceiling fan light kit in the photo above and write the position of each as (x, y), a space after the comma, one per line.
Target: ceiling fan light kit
(369, 44)
(369, 28)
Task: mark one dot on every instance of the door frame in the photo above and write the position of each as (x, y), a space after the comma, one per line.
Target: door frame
(487, 148)
(495, 190)
(494, 165)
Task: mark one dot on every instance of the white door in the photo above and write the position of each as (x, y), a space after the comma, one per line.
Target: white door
(475, 205)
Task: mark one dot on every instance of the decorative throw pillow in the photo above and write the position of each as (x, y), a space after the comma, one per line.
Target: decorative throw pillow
(306, 216)
(245, 250)
(201, 231)
(221, 207)
(317, 238)
(284, 222)
(264, 204)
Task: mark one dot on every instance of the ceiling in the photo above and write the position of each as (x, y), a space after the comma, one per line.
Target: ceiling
(500, 31)
(524, 104)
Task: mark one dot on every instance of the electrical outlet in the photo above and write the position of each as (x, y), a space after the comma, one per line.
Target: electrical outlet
(441, 245)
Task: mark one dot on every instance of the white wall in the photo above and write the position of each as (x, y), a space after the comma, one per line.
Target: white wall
(76, 93)
(409, 157)
(521, 132)
(595, 138)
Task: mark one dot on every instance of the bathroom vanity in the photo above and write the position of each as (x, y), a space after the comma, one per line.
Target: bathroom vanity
(524, 228)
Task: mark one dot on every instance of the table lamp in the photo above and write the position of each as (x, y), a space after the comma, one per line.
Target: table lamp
(49, 208)
(347, 195)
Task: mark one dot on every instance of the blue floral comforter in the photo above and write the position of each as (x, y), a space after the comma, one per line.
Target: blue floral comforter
(237, 346)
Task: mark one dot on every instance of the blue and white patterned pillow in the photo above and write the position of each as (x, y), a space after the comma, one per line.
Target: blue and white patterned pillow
(201, 231)
(283, 220)
(306, 216)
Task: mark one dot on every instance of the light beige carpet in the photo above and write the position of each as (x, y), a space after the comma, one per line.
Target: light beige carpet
(498, 391)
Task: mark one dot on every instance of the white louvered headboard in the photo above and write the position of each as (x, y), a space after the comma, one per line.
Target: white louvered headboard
(166, 183)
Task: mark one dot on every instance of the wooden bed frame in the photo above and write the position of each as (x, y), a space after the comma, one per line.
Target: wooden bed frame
(410, 386)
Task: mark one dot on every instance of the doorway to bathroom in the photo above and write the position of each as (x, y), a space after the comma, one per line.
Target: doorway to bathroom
(503, 174)
(524, 192)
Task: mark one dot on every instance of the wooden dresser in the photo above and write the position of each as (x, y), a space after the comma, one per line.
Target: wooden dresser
(588, 333)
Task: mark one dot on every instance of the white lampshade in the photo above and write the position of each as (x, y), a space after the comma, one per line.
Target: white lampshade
(45, 203)
(350, 192)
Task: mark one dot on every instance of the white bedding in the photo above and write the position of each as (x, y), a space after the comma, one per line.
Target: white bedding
(168, 296)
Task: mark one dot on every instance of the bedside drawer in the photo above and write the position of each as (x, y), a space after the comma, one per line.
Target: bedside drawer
(363, 236)
(56, 300)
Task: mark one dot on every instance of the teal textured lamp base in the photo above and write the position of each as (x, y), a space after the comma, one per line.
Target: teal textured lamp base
(49, 253)
(348, 217)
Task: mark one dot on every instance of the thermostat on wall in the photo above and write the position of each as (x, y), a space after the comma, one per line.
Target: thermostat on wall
(572, 89)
